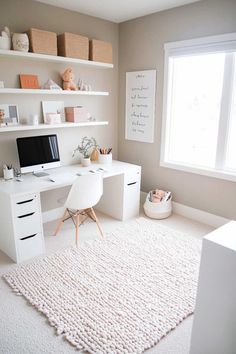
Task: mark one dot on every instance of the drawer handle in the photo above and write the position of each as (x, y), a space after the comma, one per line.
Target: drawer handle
(130, 184)
(25, 238)
(25, 201)
(24, 216)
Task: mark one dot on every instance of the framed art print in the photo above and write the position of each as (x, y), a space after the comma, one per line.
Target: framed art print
(8, 114)
(29, 81)
(140, 105)
(55, 110)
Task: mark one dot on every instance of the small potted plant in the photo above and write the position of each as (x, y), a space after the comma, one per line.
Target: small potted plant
(84, 149)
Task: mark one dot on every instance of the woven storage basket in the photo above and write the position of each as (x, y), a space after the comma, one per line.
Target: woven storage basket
(158, 210)
(100, 51)
(42, 42)
(73, 46)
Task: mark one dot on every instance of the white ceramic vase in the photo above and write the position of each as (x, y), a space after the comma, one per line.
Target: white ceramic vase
(5, 43)
(20, 42)
(85, 161)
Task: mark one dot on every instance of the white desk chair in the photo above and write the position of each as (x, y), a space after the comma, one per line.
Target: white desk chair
(85, 192)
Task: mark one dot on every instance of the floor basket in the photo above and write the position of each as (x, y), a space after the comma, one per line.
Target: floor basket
(158, 210)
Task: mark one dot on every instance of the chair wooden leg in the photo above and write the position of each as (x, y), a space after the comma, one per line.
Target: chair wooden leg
(60, 223)
(97, 222)
(77, 229)
(89, 214)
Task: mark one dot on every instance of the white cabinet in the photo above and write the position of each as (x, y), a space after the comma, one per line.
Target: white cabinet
(121, 195)
(22, 232)
(131, 200)
(214, 324)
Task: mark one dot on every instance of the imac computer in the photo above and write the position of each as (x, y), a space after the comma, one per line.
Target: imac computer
(38, 153)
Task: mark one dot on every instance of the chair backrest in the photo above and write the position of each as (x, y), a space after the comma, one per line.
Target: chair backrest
(85, 192)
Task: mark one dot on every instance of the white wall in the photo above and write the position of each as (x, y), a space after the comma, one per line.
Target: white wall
(141, 46)
(20, 15)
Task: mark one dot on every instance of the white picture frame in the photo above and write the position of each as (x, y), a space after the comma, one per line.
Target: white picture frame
(53, 107)
(140, 105)
(9, 114)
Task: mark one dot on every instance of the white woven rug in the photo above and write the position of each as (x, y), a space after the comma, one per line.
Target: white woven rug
(118, 296)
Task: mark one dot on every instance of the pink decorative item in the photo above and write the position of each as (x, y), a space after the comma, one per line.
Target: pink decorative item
(157, 195)
(77, 114)
(68, 80)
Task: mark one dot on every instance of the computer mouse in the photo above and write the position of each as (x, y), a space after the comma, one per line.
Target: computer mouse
(51, 179)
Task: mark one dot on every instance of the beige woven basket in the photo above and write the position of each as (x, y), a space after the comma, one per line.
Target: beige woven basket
(42, 42)
(100, 51)
(73, 46)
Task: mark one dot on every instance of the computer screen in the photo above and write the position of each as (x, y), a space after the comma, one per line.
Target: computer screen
(38, 152)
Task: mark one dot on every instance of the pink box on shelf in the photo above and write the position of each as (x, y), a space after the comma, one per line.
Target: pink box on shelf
(77, 114)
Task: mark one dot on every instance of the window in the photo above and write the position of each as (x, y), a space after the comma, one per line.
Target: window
(199, 112)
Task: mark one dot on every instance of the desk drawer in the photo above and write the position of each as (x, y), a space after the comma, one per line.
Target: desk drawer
(132, 176)
(26, 204)
(27, 224)
(131, 200)
(29, 247)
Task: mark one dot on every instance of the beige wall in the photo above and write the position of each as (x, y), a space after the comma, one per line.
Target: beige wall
(141, 46)
(20, 15)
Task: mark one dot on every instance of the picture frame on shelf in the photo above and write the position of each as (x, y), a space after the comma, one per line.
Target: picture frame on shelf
(8, 115)
(29, 81)
(53, 112)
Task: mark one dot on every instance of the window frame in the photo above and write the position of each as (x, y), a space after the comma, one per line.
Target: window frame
(220, 43)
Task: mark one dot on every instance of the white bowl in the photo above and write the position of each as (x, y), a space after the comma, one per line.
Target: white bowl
(5, 43)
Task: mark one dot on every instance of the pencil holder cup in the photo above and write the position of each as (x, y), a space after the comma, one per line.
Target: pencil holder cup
(8, 174)
(105, 159)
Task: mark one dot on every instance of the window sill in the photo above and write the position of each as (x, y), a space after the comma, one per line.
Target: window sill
(200, 171)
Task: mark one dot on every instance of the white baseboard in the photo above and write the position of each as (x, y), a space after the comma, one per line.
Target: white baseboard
(52, 214)
(199, 215)
(180, 209)
(194, 214)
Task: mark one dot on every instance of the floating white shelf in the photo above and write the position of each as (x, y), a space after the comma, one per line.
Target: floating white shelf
(53, 58)
(51, 92)
(50, 126)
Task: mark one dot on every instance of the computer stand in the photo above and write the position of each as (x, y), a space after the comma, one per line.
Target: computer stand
(40, 174)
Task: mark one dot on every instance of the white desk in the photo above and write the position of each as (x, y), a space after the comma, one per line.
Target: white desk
(21, 232)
